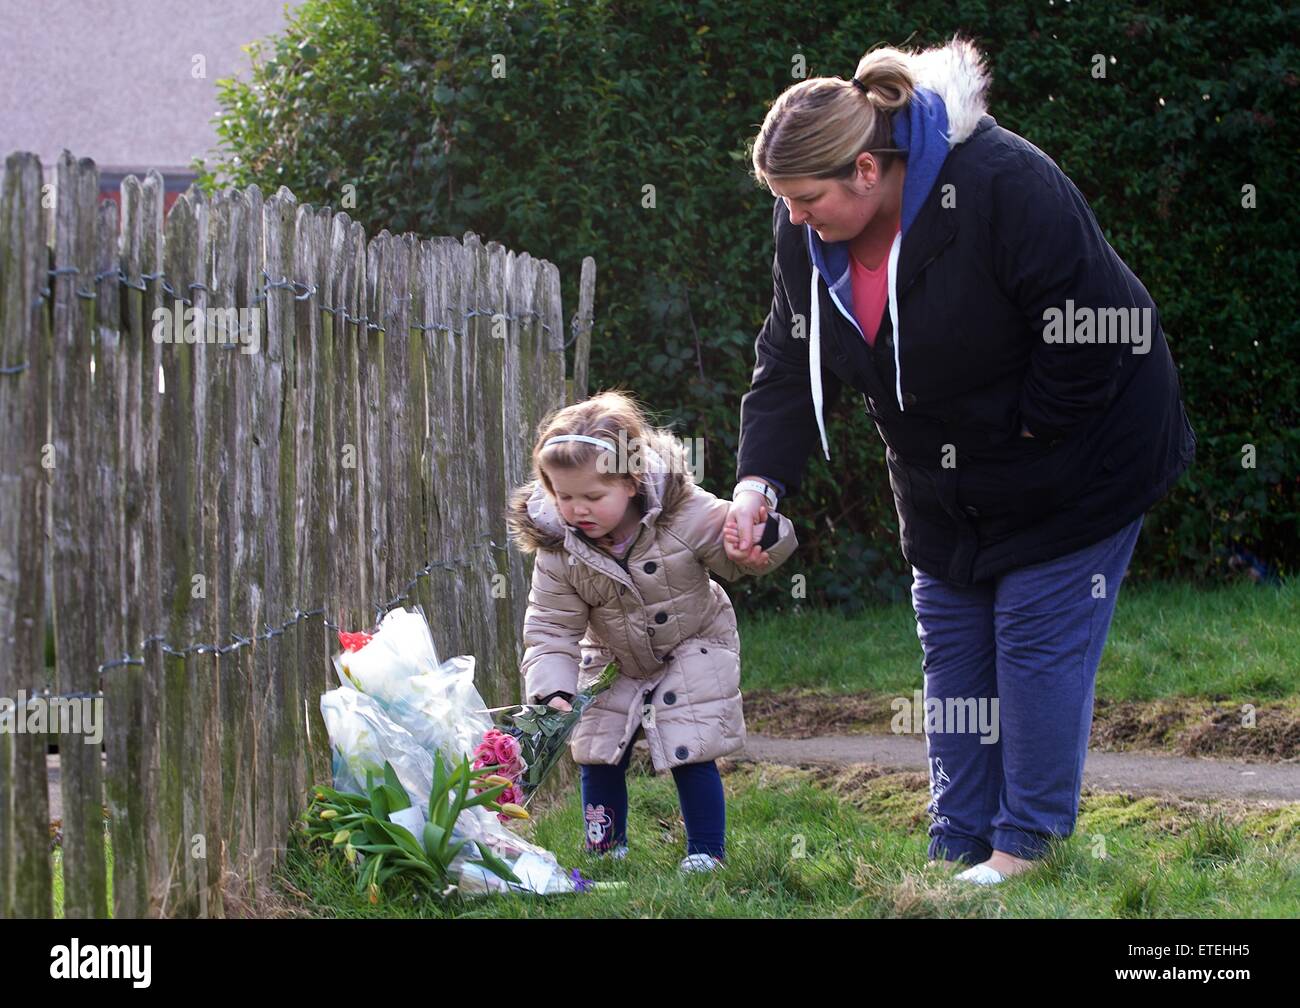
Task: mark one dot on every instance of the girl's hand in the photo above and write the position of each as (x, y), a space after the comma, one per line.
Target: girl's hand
(559, 703)
(746, 520)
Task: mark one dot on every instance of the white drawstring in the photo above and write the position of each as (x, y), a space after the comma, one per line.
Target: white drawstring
(815, 362)
(814, 340)
(893, 313)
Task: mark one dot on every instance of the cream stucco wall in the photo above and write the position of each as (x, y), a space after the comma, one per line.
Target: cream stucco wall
(113, 80)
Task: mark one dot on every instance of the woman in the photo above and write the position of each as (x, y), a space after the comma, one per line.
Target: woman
(1018, 375)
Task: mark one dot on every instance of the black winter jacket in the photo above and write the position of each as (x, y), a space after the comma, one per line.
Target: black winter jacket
(974, 498)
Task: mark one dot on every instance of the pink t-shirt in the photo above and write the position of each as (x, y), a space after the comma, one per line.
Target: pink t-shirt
(870, 295)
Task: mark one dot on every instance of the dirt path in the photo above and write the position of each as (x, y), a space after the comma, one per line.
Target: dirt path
(1181, 726)
(1134, 773)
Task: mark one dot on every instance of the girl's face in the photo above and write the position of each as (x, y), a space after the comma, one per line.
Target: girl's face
(590, 500)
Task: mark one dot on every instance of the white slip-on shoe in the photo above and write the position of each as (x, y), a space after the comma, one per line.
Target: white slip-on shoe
(613, 853)
(699, 863)
(981, 874)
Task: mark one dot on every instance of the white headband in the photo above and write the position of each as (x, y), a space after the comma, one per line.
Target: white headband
(598, 442)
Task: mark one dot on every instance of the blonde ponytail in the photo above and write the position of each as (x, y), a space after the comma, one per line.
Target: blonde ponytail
(817, 127)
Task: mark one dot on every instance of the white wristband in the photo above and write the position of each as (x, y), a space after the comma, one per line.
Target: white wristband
(768, 493)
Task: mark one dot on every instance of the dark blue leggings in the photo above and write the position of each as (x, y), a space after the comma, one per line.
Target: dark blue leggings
(699, 788)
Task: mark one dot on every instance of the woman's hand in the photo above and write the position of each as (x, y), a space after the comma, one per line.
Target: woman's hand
(746, 519)
(559, 703)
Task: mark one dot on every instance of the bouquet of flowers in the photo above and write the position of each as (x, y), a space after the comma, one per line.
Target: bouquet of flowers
(529, 746)
(403, 717)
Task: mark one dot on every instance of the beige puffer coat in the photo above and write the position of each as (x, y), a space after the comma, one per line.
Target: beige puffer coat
(670, 626)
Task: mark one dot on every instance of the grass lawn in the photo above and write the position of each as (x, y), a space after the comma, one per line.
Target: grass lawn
(1240, 641)
(851, 843)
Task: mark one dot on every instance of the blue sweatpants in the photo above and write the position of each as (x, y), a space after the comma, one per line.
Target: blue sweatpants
(699, 788)
(1033, 639)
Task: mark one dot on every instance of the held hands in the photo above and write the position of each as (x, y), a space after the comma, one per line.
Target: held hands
(746, 520)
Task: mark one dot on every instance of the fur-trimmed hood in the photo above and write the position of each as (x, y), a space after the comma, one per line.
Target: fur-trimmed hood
(956, 72)
(534, 522)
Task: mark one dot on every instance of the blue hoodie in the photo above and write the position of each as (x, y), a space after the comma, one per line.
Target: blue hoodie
(922, 130)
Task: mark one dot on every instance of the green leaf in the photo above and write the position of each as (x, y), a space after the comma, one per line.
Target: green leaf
(378, 802)
(397, 799)
(499, 867)
(433, 839)
(453, 850)
(390, 777)
(439, 783)
(484, 797)
(403, 837)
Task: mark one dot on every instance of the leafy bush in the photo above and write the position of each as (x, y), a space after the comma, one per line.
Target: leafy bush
(600, 100)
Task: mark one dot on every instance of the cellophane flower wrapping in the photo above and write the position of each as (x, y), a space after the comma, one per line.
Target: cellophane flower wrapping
(542, 733)
(397, 702)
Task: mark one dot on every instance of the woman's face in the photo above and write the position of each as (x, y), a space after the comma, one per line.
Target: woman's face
(837, 209)
(593, 502)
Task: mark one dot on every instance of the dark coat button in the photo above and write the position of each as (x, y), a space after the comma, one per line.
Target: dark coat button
(909, 399)
(651, 567)
(682, 752)
(661, 617)
(670, 697)
(586, 660)
(650, 631)
(704, 650)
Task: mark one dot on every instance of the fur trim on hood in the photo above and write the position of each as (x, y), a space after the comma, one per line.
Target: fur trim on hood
(534, 522)
(956, 72)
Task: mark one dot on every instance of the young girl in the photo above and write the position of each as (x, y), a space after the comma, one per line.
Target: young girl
(624, 541)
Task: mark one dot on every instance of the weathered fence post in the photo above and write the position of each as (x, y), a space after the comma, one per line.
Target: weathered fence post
(26, 883)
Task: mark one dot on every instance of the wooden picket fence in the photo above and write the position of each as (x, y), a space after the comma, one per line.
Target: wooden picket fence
(207, 540)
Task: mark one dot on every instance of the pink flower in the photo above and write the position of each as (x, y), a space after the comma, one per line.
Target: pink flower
(507, 749)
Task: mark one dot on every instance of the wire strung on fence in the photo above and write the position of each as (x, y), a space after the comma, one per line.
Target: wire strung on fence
(308, 291)
(299, 615)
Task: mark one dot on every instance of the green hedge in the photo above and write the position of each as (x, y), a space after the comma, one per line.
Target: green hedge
(600, 100)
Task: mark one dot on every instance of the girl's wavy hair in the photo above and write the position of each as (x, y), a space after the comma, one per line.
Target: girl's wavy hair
(818, 127)
(605, 415)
